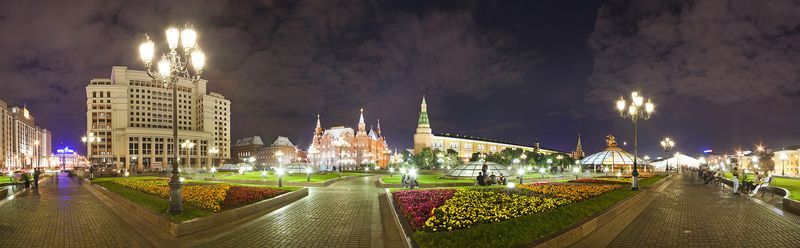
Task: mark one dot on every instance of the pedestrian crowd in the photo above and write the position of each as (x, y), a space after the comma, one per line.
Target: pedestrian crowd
(486, 179)
(741, 182)
(22, 179)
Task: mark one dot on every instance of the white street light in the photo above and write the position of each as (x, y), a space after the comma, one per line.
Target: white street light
(783, 156)
(280, 172)
(635, 112)
(169, 70)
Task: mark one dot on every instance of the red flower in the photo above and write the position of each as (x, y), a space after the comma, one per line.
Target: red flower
(417, 205)
(243, 195)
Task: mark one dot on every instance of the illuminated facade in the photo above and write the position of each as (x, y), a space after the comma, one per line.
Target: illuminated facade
(280, 152)
(787, 161)
(132, 115)
(347, 148)
(23, 145)
(464, 145)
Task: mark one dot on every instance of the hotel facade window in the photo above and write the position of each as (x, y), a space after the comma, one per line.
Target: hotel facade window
(133, 116)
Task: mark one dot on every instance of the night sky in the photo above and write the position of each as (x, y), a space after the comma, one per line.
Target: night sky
(723, 74)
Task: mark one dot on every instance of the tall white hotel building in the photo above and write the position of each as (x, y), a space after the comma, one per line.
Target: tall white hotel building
(132, 115)
(23, 145)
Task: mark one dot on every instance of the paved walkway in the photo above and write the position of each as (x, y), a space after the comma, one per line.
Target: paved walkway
(62, 213)
(345, 214)
(691, 214)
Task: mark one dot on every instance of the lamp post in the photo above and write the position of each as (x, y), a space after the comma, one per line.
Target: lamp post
(558, 160)
(549, 164)
(520, 172)
(188, 145)
(637, 110)
(212, 156)
(88, 140)
(37, 152)
(169, 69)
(577, 171)
(667, 144)
(783, 158)
(279, 171)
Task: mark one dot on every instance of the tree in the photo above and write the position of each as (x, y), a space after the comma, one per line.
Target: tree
(425, 159)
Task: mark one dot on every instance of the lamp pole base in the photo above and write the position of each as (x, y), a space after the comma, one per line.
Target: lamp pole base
(175, 200)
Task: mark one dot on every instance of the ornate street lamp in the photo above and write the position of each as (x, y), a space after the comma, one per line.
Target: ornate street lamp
(88, 140)
(212, 153)
(280, 172)
(169, 69)
(783, 158)
(637, 110)
(667, 144)
(188, 145)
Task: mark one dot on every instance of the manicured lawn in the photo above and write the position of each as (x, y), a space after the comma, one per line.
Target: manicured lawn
(791, 184)
(647, 182)
(426, 178)
(318, 177)
(527, 229)
(750, 176)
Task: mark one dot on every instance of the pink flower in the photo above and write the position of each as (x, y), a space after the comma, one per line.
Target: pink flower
(417, 205)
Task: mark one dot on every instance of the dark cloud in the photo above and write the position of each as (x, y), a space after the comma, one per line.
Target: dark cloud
(723, 73)
(280, 62)
(719, 51)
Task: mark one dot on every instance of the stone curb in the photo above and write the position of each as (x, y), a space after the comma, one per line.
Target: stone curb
(396, 216)
(203, 223)
(580, 230)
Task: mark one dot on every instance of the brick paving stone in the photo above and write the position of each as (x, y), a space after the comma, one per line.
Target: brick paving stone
(336, 216)
(63, 213)
(691, 214)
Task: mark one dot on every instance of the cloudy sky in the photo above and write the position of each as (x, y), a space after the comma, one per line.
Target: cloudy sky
(723, 73)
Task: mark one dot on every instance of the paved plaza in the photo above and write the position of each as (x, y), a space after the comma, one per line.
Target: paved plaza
(63, 213)
(690, 214)
(345, 214)
(684, 213)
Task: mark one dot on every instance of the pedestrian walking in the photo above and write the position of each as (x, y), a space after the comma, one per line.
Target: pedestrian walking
(735, 173)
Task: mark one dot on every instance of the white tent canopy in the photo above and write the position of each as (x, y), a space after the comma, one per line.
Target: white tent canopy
(677, 161)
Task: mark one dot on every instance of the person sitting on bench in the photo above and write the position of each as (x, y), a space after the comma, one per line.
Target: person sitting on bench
(762, 184)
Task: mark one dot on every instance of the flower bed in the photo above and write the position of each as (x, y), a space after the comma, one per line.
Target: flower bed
(417, 205)
(599, 181)
(569, 192)
(471, 207)
(242, 195)
(213, 197)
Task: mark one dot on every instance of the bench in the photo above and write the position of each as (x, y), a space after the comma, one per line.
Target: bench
(763, 185)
